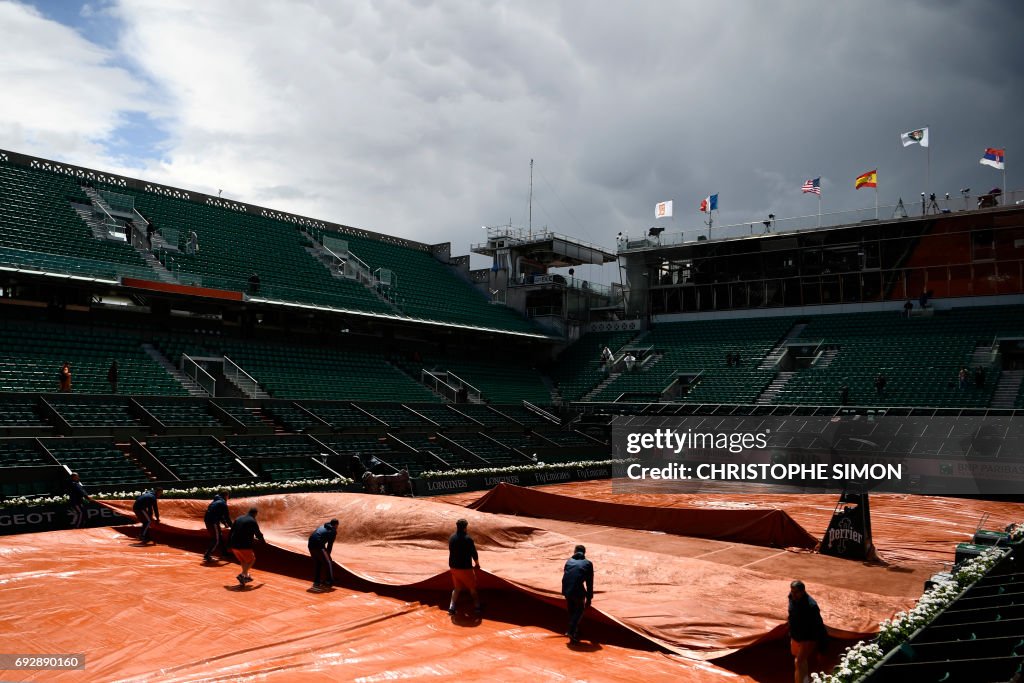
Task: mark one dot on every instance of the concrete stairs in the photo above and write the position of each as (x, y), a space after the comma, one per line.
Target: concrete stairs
(190, 386)
(982, 356)
(779, 350)
(773, 389)
(159, 269)
(317, 251)
(1007, 388)
(98, 200)
(826, 358)
(589, 396)
(96, 225)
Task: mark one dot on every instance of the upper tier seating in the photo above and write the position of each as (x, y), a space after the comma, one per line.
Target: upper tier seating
(423, 287)
(234, 244)
(39, 228)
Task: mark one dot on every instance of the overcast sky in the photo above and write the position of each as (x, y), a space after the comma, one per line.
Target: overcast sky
(419, 119)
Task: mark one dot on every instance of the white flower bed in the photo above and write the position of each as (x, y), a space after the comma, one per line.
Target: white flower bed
(858, 659)
(192, 492)
(516, 469)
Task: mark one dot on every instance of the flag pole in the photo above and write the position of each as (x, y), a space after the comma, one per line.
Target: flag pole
(876, 195)
(819, 206)
(928, 171)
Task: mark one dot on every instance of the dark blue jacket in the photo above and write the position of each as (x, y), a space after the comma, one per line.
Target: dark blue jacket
(578, 578)
(461, 551)
(323, 537)
(78, 493)
(805, 620)
(243, 531)
(147, 503)
(217, 512)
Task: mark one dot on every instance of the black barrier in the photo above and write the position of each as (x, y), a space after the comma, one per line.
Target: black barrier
(439, 486)
(27, 519)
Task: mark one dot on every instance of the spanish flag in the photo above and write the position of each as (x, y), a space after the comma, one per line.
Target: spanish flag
(869, 179)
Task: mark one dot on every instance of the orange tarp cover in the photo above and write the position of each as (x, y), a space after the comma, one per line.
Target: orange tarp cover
(755, 526)
(689, 606)
(157, 613)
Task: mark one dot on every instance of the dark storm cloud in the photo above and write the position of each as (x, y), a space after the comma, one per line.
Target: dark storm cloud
(420, 118)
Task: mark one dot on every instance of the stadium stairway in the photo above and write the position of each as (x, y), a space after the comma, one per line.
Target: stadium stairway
(98, 227)
(320, 253)
(779, 350)
(773, 389)
(1005, 394)
(159, 269)
(190, 386)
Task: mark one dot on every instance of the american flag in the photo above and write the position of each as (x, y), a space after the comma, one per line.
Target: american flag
(813, 186)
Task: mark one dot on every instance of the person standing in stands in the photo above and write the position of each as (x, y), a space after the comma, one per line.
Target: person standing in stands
(244, 533)
(908, 309)
(962, 377)
(578, 589)
(64, 378)
(112, 376)
(463, 562)
(844, 395)
(147, 511)
(216, 515)
(254, 283)
(880, 382)
(606, 359)
(150, 229)
(321, 543)
(193, 243)
(76, 495)
(807, 633)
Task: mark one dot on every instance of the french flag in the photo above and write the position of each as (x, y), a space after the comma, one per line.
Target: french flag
(996, 158)
(709, 204)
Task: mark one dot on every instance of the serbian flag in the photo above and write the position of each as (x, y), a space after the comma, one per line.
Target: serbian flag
(869, 179)
(996, 158)
(709, 204)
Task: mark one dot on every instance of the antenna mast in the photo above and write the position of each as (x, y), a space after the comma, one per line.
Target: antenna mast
(531, 198)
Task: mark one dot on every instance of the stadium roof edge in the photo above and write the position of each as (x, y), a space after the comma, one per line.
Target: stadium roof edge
(400, 318)
(85, 173)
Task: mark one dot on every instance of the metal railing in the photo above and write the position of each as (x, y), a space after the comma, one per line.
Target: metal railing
(438, 385)
(118, 202)
(471, 391)
(811, 222)
(540, 411)
(520, 235)
(194, 371)
(241, 379)
(570, 282)
(45, 263)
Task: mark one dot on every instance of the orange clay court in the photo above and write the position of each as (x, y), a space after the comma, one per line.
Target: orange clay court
(704, 606)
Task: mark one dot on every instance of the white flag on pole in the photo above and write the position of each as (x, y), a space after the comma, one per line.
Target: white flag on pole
(915, 137)
(663, 209)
